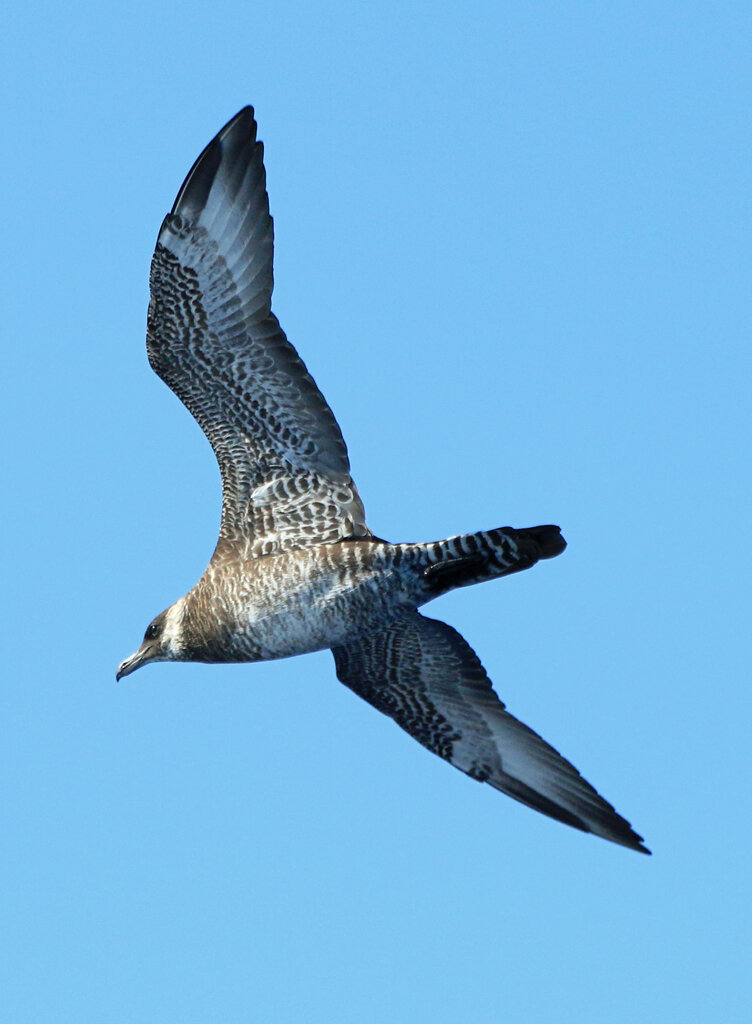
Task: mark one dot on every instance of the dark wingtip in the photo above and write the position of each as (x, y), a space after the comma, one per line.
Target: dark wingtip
(631, 840)
(194, 192)
(611, 825)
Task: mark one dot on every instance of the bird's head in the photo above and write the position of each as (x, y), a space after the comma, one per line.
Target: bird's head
(162, 641)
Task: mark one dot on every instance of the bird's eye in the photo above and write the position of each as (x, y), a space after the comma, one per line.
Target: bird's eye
(151, 632)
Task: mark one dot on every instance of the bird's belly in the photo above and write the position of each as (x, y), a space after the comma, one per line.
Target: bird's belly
(313, 611)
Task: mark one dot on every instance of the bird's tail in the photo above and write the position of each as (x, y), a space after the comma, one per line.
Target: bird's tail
(476, 557)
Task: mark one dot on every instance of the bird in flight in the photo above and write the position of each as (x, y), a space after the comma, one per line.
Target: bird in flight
(296, 569)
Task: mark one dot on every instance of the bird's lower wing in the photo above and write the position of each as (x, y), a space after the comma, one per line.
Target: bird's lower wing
(426, 677)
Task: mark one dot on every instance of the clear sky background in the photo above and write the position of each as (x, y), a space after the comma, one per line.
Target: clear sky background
(513, 246)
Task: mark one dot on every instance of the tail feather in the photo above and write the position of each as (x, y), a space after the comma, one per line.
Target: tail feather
(548, 539)
(476, 557)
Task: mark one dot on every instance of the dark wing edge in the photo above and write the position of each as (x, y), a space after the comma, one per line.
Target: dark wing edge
(425, 676)
(214, 341)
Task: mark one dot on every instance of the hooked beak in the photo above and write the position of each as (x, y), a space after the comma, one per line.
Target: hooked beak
(142, 657)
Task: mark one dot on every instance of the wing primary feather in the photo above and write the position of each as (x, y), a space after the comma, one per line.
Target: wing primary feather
(193, 193)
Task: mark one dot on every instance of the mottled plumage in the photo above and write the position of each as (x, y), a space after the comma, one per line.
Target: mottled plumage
(296, 569)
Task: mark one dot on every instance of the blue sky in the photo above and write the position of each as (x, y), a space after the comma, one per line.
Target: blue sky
(513, 248)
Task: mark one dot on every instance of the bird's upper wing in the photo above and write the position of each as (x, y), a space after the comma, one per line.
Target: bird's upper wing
(213, 339)
(426, 677)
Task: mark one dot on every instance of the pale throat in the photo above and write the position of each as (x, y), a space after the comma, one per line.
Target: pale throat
(172, 630)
